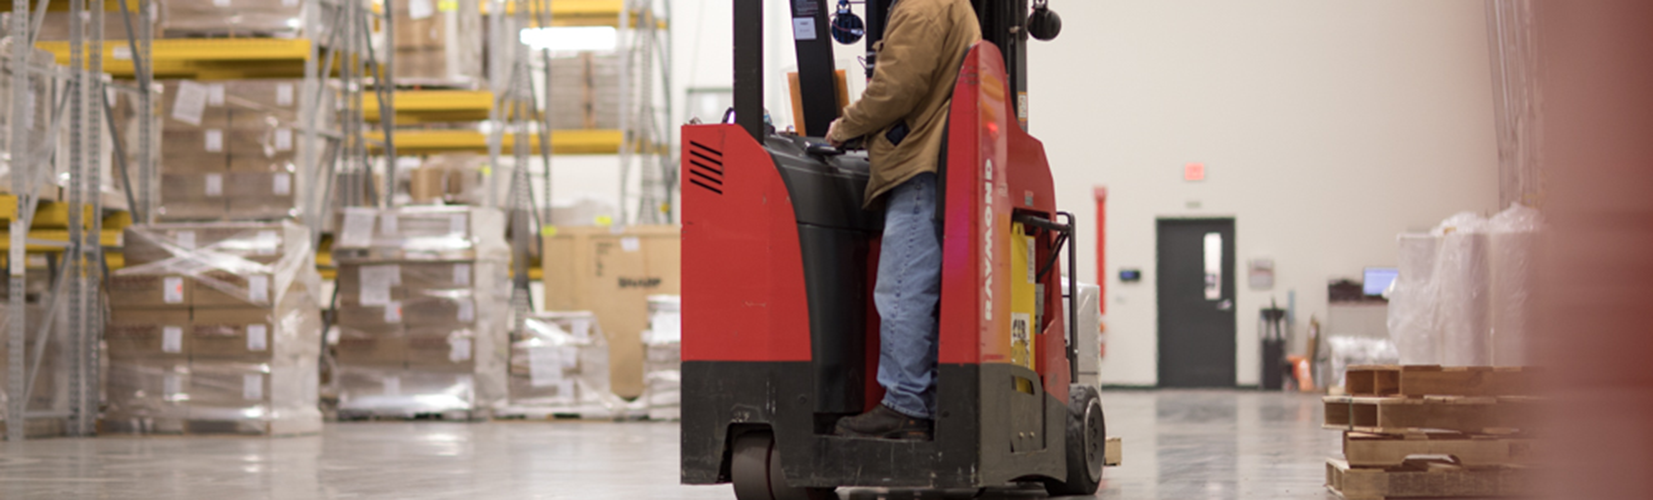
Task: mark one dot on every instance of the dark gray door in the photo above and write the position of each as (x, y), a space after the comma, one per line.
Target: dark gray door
(1196, 302)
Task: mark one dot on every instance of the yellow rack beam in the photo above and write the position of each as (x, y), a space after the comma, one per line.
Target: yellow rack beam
(63, 6)
(566, 13)
(434, 106)
(563, 142)
(109, 238)
(204, 58)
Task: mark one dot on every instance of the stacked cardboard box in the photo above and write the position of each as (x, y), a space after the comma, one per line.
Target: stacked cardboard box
(559, 364)
(191, 18)
(37, 122)
(214, 328)
(422, 294)
(230, 150)
(438, 42)
(50, 393)
(663, 358)
(612, 272)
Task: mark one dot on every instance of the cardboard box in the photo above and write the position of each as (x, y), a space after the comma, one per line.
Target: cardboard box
(262, 243)
(383, 346)
(147, 388)
(149, 333)
(150, 291)
(182, 18)
(286, 161)
(190, 106)
(228, 384)
(443, 348)
(246, 333)
(400, 281)
(256, 98)
(428, 184)
(226, 289)
(259, 185)
(192, 210)
(595, 269)
(263, 208)
(192, 187)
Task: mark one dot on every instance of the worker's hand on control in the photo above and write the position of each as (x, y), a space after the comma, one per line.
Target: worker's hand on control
(832, 135)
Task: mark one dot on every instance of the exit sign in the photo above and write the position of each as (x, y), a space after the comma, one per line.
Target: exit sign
(1193, 172)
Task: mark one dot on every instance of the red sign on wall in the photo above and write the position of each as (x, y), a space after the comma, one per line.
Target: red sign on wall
(1193, 172)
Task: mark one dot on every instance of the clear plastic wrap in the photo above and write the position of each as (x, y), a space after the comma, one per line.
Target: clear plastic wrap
(1346, 351)
(50, 393)
(1513, 237)
(1412, 303)
(439, 42)
(422, 311)
(663, 358)
(38, 109)
(230, 150)
(181, 18)
(214, 328)
(560, 364)
(1462, 284)
(1089, 345)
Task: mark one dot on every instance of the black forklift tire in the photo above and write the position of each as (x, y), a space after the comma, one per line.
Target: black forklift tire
(755, 470)
(1087, 438)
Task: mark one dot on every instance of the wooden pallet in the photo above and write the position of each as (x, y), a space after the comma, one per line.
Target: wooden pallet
(1400, 415)
(1431, 380)
(1426, 479)
(160, 427)
(1388, 450)
(586, 412)
(397, 416)
(1113, 453)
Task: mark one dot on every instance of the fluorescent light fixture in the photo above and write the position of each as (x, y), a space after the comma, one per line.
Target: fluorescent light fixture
(572, 39)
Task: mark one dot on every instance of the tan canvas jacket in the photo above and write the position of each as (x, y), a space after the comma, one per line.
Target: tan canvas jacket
(911, 89)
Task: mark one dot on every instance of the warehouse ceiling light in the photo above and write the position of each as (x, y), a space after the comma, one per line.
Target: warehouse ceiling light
(572, 39)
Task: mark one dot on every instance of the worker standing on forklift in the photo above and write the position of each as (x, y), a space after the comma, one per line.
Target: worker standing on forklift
(902, 116)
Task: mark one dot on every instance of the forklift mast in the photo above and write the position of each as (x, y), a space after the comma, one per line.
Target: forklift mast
(1003, 22)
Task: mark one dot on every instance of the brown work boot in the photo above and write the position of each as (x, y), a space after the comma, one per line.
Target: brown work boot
(884, 423)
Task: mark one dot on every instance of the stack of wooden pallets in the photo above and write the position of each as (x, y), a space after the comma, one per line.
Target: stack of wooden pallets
(1432, 432)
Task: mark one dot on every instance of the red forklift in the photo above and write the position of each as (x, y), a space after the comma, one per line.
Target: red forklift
(780, 336)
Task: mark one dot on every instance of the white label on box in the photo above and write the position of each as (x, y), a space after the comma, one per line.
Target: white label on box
(215, 184)
(420, 9)
(258, 337)
(252, 386)
(393, 386)
(281, 184)
(459, 350)
(456, 225)
(630, 244)
(191, 103)
(565, 389)
(283, 139)
(462, 274)
(172, 339)
(220, 3)
(268, 243)
(121, 53)
(172, 384)
(358, 227)
(544, 365)
(186, 239)
(375, 283)
(37, 260)
(284, 91)
(289, 3)
(393, 312)
(215, 141)
(803, 28)
(387, 224)
(258, 288)
(570, 357)
(172, 289)
(215, 94)
(467, 311)
(582, 328)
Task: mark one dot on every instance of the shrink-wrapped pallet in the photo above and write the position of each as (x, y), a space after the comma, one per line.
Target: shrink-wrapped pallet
(1411, 302)
(663, 358)
(559, 364)
(1462, 296)
(438, 43)
(422, 311)
(1512, 241)
(214, 328)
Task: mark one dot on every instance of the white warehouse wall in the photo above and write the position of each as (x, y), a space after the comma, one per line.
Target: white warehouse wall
(1326, 129)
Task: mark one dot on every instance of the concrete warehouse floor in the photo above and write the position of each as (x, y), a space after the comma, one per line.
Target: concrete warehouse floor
(1178, 445)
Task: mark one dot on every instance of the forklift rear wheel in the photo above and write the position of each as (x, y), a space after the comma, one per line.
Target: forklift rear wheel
(1086, 442)
(755, 468)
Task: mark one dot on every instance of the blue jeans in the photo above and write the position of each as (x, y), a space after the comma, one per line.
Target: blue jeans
(907, 294)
